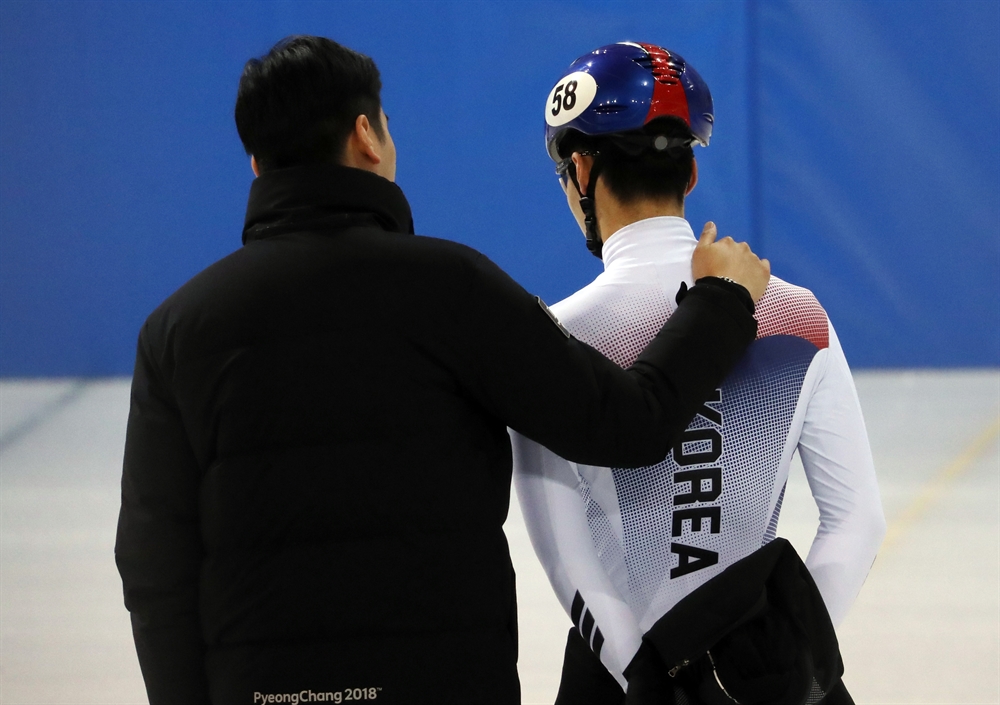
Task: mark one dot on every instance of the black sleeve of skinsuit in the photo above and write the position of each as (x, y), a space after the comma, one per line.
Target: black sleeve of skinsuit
(158, 549)
(565, 395)
(585, 680)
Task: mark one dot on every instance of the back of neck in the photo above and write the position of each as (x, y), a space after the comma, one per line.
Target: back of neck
(613, 215)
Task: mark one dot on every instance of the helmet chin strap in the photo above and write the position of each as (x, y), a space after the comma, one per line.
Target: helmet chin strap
(633, 145)
(594, 241)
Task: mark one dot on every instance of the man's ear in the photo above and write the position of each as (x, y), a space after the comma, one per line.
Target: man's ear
(583, 165)
(363, 145)
(254, 165)
(693, 181)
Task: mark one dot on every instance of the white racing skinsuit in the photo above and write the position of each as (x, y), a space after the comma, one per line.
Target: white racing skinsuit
(623, 546)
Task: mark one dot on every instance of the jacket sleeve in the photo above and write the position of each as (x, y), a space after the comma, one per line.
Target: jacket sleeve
(838, 464)
(158, 548)
(565, 395)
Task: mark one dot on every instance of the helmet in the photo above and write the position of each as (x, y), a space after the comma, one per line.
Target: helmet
(614, 91)
(621, 87)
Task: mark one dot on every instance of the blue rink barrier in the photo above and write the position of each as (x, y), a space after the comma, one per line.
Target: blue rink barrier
(856, 145)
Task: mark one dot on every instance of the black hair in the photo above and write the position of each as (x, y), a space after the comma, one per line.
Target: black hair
(633, 173)
(298, 103)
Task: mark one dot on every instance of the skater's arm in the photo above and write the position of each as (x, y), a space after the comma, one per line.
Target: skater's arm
(838, 465)
(555, 514)
(159, 549)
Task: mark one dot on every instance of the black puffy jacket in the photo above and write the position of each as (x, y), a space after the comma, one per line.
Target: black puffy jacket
(317, 468)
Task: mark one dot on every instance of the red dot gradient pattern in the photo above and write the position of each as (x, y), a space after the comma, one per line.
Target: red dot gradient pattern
(786, 309)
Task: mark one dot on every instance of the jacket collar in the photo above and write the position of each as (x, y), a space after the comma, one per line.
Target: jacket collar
(329, 195)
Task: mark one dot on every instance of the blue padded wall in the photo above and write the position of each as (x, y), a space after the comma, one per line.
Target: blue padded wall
(857, 146)
(879, 170)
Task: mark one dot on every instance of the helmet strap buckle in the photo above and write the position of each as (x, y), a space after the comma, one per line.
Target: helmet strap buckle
(595, 243)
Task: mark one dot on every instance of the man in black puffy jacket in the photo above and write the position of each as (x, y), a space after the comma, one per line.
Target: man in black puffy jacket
(317, 468)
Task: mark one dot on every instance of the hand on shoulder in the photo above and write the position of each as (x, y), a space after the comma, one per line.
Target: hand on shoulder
(729, 259)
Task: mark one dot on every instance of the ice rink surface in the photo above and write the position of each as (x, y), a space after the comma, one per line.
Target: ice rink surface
(926, 628)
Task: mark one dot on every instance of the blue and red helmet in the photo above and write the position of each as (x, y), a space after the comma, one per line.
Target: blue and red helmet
(622, 87)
